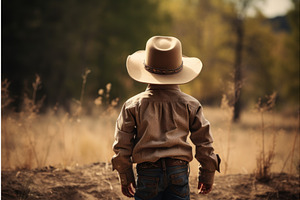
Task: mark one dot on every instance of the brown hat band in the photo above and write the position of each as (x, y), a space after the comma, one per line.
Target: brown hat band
(163, 71)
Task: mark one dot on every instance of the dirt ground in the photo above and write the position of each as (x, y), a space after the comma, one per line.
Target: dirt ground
(98, 181)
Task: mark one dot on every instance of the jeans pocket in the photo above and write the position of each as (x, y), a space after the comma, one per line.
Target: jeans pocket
(180, 184)
(147, 187)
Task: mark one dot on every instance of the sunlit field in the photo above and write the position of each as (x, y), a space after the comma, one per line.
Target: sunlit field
(57, 138)
(241, 144)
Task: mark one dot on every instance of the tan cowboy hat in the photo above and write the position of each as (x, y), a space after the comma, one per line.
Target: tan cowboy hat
(162, 63)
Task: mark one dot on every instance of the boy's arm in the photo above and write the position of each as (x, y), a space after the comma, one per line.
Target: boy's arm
(123, 146)
(202, 138)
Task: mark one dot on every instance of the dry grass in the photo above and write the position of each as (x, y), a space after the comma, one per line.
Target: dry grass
(265, 159)
(59, 139)
(228, 118)
(56, 139)
(246, 140)
(30, 139)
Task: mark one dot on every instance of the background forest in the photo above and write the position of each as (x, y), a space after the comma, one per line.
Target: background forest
(64, 78)
(60, 40)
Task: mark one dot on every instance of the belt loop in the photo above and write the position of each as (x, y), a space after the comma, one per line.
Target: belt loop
(164, 168)
(163, 162)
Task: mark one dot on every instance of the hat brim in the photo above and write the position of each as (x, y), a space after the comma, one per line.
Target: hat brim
(136, 70)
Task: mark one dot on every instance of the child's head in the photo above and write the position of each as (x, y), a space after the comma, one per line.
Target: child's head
(162, 63)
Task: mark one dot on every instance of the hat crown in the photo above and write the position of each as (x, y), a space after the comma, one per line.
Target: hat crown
(162, 63)
(163, 53)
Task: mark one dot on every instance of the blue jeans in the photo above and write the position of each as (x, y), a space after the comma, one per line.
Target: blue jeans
(163, 184)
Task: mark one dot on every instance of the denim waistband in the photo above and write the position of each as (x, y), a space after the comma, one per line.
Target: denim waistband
(161, 163)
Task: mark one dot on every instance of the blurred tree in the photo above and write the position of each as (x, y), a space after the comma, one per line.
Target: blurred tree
(204, 34)
(238, 24)
(258, 60)
(60, 39)
(287, 72)
(234, 47)
(272, 60)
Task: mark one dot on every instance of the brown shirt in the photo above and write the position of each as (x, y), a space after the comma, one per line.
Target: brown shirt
(156, 123)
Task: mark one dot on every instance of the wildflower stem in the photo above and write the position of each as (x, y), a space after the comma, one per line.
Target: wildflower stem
(263, 136)
(84, 77)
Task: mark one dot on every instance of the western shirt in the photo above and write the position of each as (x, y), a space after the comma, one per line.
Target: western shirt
(156, 123)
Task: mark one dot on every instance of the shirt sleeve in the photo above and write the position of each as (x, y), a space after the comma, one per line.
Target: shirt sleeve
(124, 141)
(202, 139)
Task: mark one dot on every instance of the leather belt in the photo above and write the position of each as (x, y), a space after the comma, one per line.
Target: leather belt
(169, 162)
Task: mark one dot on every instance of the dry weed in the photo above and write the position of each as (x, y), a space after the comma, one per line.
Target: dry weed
(31, 139)
(5, 97)
(228, 114)
(265, 159)
(104, 103)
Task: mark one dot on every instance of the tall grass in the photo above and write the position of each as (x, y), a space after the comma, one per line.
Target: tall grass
(32, 139)
(291, 155)
(265, 158)
(228, 114)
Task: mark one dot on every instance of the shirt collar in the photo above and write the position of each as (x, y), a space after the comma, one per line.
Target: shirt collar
(162, 87)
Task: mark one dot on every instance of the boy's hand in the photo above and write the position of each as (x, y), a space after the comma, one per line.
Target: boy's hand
(127, 182)
(204, 188)
(129, 190)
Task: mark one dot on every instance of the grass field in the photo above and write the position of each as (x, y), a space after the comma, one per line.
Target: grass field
(31, 140)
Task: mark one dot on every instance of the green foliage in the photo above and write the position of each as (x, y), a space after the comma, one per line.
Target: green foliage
(258, 60)
(59, 40)
(204, 34)
(288, 72)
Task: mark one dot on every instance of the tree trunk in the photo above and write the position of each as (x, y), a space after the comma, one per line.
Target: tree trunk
(237, 67)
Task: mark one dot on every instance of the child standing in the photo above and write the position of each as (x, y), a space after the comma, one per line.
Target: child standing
(153, 126)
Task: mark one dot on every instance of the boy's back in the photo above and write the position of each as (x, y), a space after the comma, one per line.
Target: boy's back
(153, 127)
(163, 117)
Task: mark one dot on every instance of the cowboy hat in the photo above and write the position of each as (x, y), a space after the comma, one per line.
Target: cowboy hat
(162, 63)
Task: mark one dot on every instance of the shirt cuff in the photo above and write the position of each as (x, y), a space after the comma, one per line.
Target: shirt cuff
(126, 177)
(206, 176)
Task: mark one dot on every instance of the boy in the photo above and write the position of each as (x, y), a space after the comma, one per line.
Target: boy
(153, 126)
